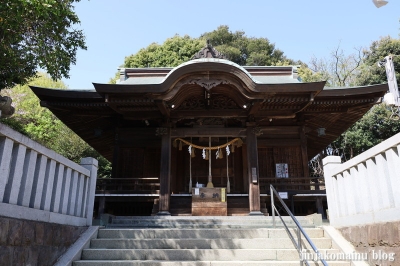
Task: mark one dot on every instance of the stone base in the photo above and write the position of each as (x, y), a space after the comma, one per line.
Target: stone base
(164, 213)
(381, 241)
(24, 242)
(256, 213)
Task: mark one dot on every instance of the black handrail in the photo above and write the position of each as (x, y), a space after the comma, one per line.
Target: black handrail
(300, 229)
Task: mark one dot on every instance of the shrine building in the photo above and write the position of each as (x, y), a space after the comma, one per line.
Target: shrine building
(208, 137)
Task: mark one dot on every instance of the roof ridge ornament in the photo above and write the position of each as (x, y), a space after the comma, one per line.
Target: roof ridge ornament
(208, 52)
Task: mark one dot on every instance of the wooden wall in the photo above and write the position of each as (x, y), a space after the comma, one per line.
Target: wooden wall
(269, 156)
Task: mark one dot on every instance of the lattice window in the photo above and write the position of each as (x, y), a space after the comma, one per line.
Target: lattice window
(131, 163)
(152, 159)
(290, 156)
(266, 162)
(268, 157)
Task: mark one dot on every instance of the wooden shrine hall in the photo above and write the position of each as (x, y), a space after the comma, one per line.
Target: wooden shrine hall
(208, 137)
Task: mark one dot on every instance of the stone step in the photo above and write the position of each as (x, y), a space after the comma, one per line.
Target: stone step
(198, 263)
(196, 254)
(203, 233)
(205, 222)
(255, 243)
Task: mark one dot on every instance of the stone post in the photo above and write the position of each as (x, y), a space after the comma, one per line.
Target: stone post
(92, 165)
(330, 163)
(6, 146)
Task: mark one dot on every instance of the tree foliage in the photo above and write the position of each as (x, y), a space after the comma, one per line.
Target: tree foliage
(44, 127)
(246, 51)
(370, 72)
(374, 127)
(37, 33)
(236, 46)
(173, 52)
(377, 124)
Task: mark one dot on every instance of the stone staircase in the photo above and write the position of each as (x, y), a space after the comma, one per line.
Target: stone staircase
(199, 241)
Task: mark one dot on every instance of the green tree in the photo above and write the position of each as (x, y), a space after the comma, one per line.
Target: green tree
(381, 122)
(44, 127)
(236, 46)
(370, 72)
(173, 52)
(373, 128)
(246, 51)
(37, 33)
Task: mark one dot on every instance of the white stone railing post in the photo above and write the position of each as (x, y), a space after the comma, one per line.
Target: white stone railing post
(38, 184)
(92, 165)
(329, 163)
(363, 190)
(6, 146)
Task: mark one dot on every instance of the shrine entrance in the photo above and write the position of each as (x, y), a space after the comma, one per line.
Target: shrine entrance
(207, 102)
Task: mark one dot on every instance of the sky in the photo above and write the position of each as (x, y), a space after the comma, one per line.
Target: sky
(301, 29)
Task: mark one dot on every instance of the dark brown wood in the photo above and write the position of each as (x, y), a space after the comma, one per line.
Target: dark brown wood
(297, 185)
(116, 151)
(245, 168)
(208, 132)
(165, 173)
(102, 205)
(303, 139)
(320, 207)
(278, 142)
(163, 108)
(253, 172)
(209, 202)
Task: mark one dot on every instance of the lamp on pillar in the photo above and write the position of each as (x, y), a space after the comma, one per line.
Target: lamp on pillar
(321, 131)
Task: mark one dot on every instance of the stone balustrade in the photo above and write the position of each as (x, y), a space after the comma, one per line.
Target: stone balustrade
(38, 184)
(364, 190)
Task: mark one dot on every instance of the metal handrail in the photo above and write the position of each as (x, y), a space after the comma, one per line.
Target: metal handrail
(300, 230)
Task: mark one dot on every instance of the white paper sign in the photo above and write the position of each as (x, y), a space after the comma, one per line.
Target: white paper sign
(197, 191)
(283, 195)
(282, 170)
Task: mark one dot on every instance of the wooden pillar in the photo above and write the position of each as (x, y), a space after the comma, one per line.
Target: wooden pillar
(165, 171)
(292, 204)
(320, 208)
(115, 160)
(303, 140)
(253, 171)
(102, 205)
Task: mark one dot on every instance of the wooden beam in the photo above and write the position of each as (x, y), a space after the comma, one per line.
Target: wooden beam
(231, 132)
(208, 132)
(165, 173)
(253, 172)
(163, 108)
(278, 142)
(208, 113)
(254, 108)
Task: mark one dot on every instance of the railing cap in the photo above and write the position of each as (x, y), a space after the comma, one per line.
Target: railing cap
(89, 161)
(331, 160)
